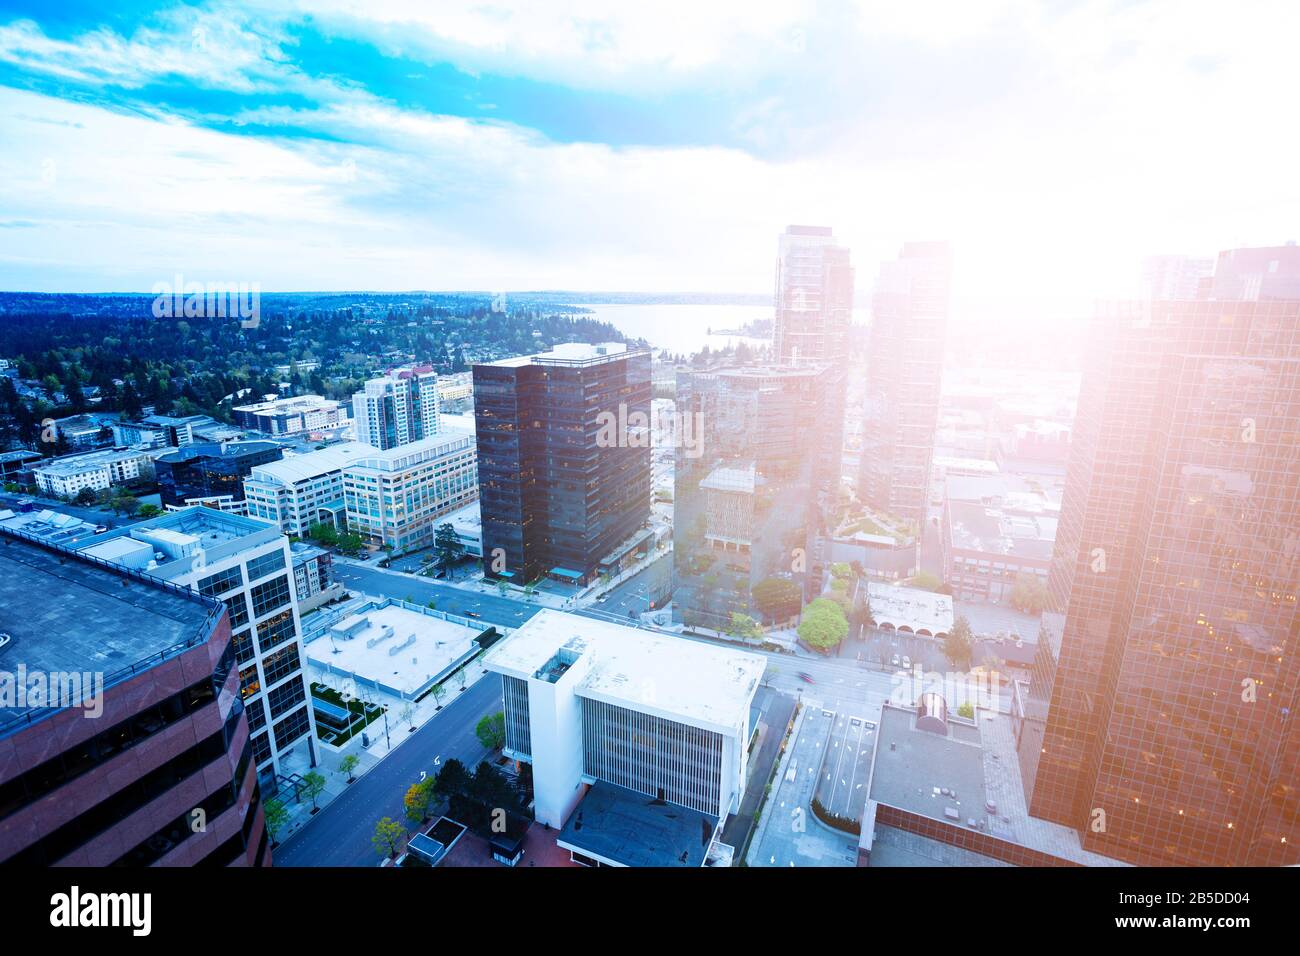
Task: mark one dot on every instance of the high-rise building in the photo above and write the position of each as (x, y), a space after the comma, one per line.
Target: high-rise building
(1175, 277)
(248, 565)
(909, 321)
(139, 728)
(1160, 720)
(1259, 274)
(746, 508)
(814, 296)
(398, 408)
(302, 490)
(563, 460)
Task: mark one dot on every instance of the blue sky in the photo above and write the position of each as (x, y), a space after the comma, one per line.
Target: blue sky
(346, 144)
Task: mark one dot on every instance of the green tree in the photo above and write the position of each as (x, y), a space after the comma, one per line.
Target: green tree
(446, 544)
(313, 785)
(150, 511)
(323, 533)
(966, 709)
(276, 815)
(1029, 594)
(959, 645)
(742, 625)
(86, 496)
(823, 625)
(491, 730)
(438, 692)
(387, 837)
(348, 764)
(416, 802)
(777, 598)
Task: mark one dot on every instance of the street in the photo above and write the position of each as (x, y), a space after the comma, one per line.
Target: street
(339, 835)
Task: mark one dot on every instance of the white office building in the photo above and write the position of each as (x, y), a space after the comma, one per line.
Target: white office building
(248, 565)
(301, 490)
(592, 704)
(398, 408)
(394, 497)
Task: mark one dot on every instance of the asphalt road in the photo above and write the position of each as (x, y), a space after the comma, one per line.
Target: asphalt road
(340, 834)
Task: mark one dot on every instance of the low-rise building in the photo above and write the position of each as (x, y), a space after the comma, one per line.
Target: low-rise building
(68, 476)
(83, 431)
(13, 462)
(990, 536)
(394, 497)
(632, 719)
(467, 522)
(207, 470)
(313, 576)
(910, 610)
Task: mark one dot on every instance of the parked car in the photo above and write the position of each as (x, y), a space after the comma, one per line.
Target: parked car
(895, 662)
(907, 663)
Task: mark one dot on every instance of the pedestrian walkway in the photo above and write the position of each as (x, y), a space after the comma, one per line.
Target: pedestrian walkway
(400, 728)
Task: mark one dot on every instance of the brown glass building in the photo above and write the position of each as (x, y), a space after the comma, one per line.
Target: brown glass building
(159, 770)
(1160, 720)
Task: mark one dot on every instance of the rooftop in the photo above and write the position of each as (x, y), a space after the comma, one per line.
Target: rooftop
(916, 608)
(289, 404)
(977, 527)
(572, 353)
(295, 468)
(417, 452)
(51, 526)
(676, 678)
(94, 460)
(914, 767)
(70, 614)
(636, 830)
(180, 536)
(234, 449)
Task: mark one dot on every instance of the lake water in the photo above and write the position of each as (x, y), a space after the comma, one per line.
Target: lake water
(681, 328)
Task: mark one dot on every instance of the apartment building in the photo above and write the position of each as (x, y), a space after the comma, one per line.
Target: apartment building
(68, 476)
(290, 416)
(397, 408)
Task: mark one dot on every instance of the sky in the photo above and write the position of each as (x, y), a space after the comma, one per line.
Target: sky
(372, 144)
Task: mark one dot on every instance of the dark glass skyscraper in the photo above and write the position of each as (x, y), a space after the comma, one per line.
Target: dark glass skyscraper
(1161, 715)
(210, 469)
(558, 496)
(909, 323)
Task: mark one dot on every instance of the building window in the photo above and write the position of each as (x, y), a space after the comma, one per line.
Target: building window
(266, 564)
(270, 596)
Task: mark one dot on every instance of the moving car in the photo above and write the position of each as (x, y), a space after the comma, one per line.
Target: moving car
(806, 678)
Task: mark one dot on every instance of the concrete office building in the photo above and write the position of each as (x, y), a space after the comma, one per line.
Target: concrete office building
(1257, 275)
(208, 470)
(248, 565)
(394, 497)
(169, 736)
(1164, 690)
(301, 490)
(398, 408)
(1174, 277)
(604, 710)
(909, 320)
(564, 466)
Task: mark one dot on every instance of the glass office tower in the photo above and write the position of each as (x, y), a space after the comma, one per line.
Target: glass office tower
(1160, 720)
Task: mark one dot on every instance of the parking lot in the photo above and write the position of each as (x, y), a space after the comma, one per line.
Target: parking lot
(846, 765)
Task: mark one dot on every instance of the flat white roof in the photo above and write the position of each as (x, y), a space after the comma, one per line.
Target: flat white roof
(568, 352)
(295, 468)
(673, 677)
(916, 608)
(437, 644)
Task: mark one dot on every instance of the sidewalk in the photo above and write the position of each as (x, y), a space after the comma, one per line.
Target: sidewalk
(381, 744)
